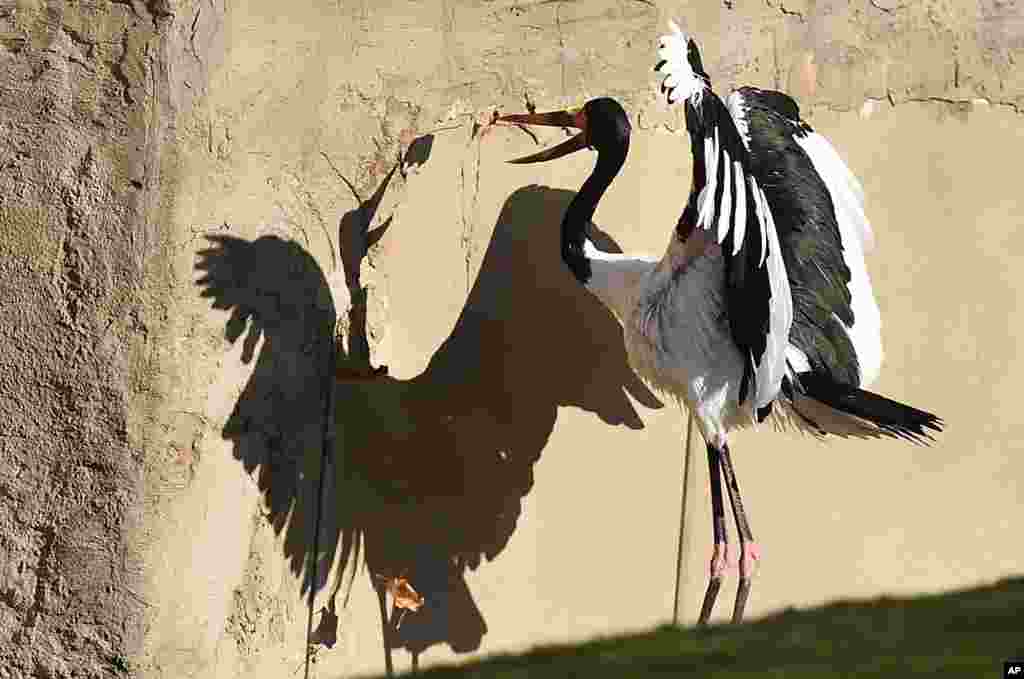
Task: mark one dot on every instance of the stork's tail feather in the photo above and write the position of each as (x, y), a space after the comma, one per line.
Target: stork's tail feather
(836, 408)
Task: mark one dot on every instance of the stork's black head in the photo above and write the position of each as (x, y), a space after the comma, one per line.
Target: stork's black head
(603, 124)
(608, 127)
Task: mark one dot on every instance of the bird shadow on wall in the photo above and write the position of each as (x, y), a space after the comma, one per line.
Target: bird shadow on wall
(426, 476)
(276, 291)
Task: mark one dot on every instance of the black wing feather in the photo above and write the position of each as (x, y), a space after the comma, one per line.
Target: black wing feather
(808, 233)
(748, 288)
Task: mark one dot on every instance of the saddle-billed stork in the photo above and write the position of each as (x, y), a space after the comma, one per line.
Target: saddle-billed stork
(761, 305)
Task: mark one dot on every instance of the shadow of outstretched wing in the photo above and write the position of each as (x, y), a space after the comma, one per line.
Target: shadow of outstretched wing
(280, 304)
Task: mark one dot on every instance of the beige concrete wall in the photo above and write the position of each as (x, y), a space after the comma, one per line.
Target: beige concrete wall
(509, 424)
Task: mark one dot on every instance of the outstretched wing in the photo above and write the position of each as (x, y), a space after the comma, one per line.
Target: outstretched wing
(727, 198)
(823, 231)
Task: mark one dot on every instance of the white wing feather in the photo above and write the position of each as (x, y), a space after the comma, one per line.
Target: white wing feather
(847, 192)
(741, 208)
(724, 210)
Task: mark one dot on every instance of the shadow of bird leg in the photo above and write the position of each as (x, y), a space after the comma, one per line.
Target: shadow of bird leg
(326, 633)
(415, 661)
(720, 554)
(385, 625)
(749, 552)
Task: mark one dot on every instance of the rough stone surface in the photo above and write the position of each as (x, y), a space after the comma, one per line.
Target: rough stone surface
(86, 183)
(319, 177)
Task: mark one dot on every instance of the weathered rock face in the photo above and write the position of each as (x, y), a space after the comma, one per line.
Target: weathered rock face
(86, 187)
(160, 461)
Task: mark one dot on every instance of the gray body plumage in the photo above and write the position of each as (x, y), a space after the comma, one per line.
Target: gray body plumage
(676, 328)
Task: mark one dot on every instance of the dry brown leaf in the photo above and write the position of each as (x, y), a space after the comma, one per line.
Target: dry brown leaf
(403, 594)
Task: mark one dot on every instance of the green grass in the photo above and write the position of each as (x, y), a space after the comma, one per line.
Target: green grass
(960, 634)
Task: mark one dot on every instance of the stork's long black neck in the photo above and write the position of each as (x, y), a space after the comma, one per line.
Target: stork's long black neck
(581, 211)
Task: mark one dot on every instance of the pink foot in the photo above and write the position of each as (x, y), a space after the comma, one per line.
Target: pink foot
(719, 559)
(749, 559)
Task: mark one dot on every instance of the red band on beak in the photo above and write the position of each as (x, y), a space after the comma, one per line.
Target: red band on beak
(581, 119)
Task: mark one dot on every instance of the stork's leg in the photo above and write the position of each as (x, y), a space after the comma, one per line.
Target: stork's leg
(749, 553)
(718, 556)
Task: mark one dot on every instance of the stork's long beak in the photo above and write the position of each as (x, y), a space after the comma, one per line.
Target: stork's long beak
(572, 118)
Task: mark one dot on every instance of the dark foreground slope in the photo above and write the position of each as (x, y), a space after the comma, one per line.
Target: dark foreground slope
(960, 634)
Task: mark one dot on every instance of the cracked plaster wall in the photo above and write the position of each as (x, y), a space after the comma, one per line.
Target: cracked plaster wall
(142, 534)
